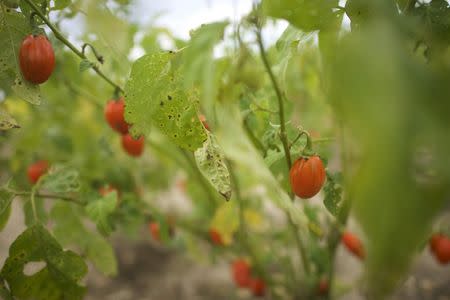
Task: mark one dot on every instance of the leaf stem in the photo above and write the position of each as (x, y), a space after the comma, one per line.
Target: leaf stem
(60, 37)
(276, 87)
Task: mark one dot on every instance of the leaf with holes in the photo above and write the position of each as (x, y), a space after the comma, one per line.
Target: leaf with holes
(155, 96)
(211, 162)
(13, 28)
(100, 210)
(57, 280)
(96, 248)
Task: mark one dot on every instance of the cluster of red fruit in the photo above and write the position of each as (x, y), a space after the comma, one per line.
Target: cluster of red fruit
(242, 276)
(114, 114)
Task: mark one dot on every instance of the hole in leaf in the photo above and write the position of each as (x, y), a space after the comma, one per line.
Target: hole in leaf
(33, 267)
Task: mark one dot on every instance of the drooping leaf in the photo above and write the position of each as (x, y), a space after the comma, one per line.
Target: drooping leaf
(211, 162)
(13, 29)
(226, 221)
(96, 248)
(155, 96)
(57, 280)
(307, 15)
(100, 210)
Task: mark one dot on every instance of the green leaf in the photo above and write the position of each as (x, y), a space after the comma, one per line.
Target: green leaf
(155, 97)
(96, 248)
(307, 15)
(5, 207)
(61, 4)
(6, 121)
(211, 163)
(85, 64)
(100, 210)
(198, 61)
(57, 280)
(60, 180)
(13, 29)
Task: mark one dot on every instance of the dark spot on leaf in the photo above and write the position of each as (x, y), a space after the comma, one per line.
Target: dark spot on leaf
(161, 103)
(169, 97)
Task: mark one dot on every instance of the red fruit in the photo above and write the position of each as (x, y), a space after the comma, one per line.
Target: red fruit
(36, 170)
(434, 241)
(241, 273)
(105, 190)
(307, 176)
(353, 244)
(258, 287)
(215, 237)
(154, 230)
(36, 58)
(202, 119)
(323, 286)
(114, 115)
(440, 246)
(131, 146)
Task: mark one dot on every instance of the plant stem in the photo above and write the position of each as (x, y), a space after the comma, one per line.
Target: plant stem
(60, 37)
(50, 196)
(284, 140)
(279, 95)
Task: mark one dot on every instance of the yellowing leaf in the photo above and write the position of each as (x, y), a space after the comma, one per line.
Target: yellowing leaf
(226, 221)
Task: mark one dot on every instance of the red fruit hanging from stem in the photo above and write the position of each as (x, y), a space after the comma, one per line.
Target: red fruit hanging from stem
(307, 176)
(36, 58)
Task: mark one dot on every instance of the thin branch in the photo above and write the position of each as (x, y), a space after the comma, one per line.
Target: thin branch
(283, 136)
(60, 37)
